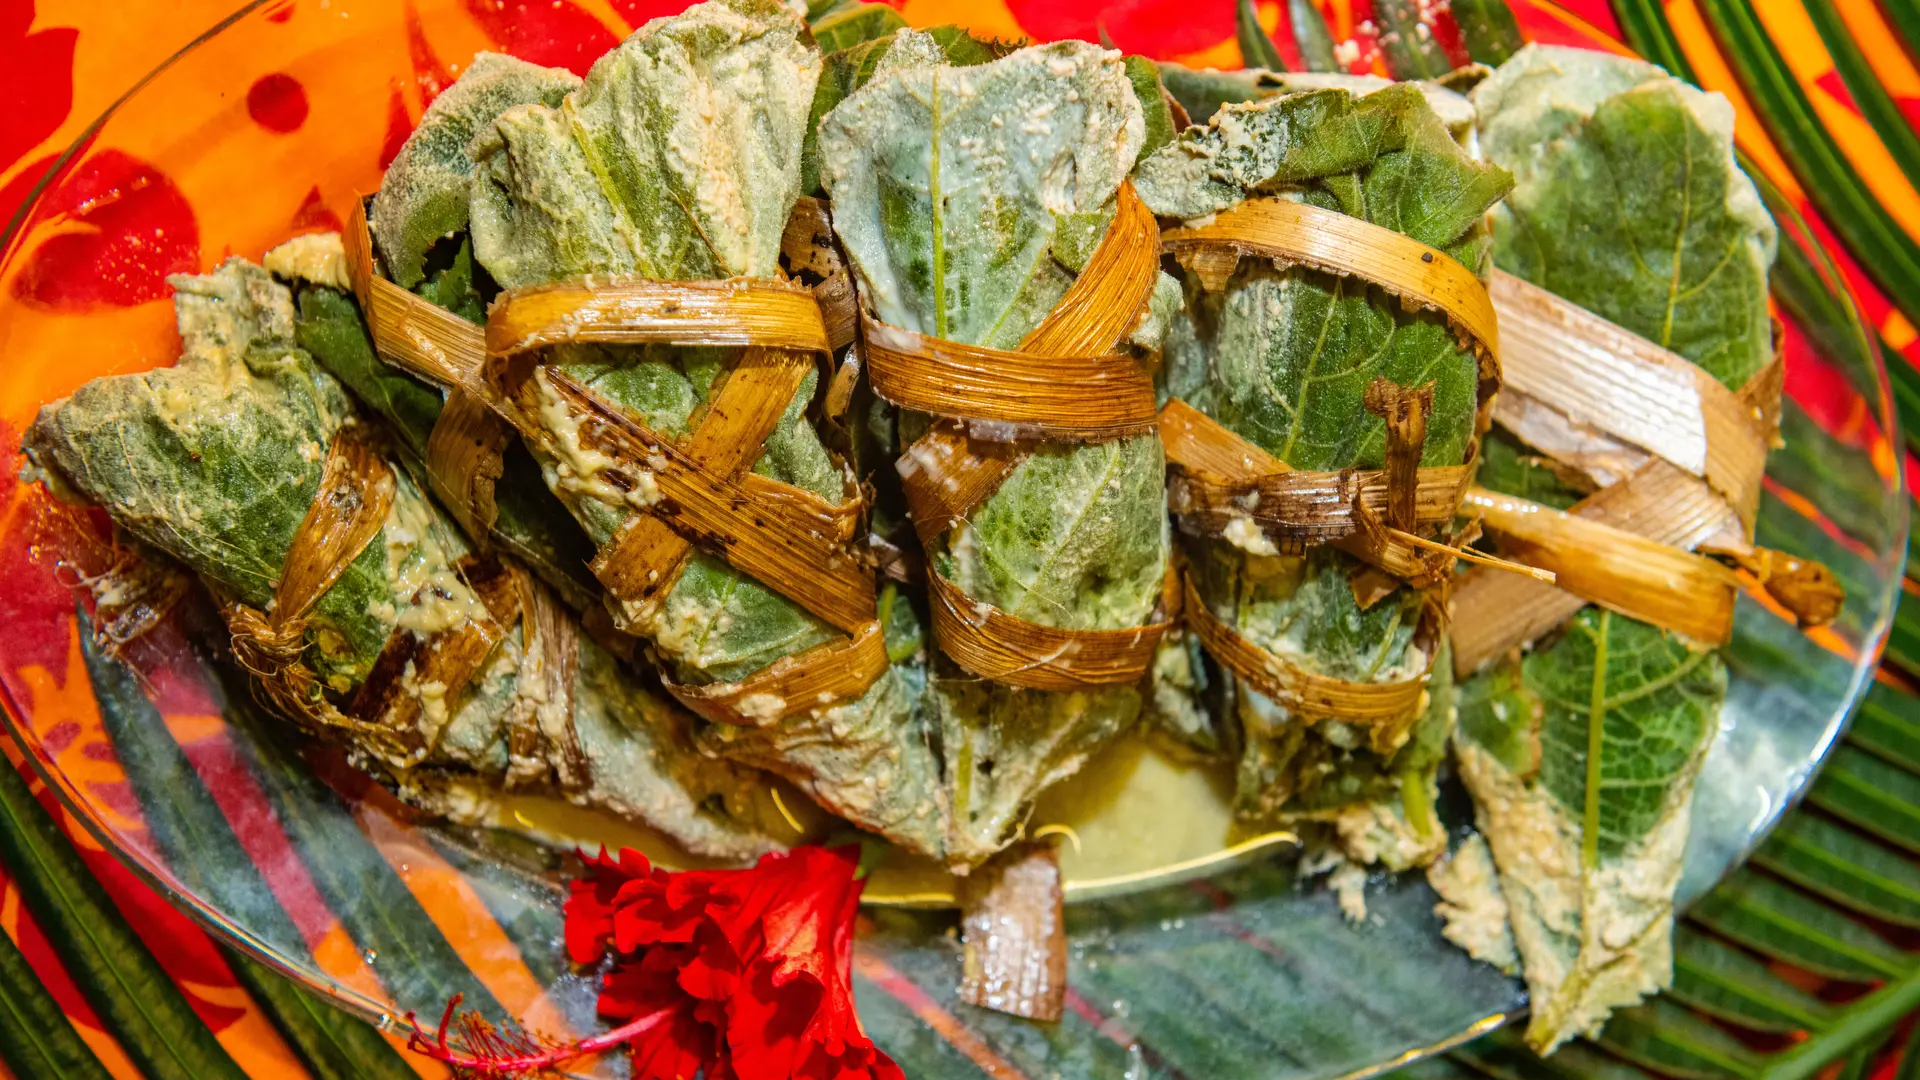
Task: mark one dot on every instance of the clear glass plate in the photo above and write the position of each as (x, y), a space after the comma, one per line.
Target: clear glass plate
(273, 124)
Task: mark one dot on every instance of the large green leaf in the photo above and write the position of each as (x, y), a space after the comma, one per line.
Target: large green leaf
(36, 1038)
(1729, 984)
(680, 157)
(1667, 1038)
(1593, 743)
(854, 24)
(848, 69)
(1833, 184)
(1781, 922)
(1866, 792)
(1888, 724)
(1283, 356)
(128, 989)
(423, 198)
(1854, 872)
(1628, 202)
(215, 460)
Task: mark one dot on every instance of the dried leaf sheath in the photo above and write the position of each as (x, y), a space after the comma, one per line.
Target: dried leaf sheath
(216, 462)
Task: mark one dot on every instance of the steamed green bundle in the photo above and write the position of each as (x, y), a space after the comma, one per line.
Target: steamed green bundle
(679, 159)
(215, 462)
(968, 200)
(1283, 356)
(1582, 754)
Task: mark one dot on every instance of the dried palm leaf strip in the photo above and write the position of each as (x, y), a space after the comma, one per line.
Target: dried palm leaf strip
(1601, 378)
(698, 491)
(1068, 380)
(1297, 234)
(465, 448)
(1585, 387)
(1226, 477)
(1495, 613)
(1387, 709)
(811, 253)
(1065, 381)
(1619, 569)
(1063, 398)
(541, 735)
(1220, 476)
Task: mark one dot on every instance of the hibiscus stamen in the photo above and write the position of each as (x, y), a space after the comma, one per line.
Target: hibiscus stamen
(512, 1053)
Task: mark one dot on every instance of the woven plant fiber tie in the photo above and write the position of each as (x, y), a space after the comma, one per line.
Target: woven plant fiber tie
(782, 329)
(698, 491)
(466, 446)
(1386, 709)
(1681, 459)
(1374, 514)
(350, 507)
(1221, 476)
(1603, 378)
(1068, 380)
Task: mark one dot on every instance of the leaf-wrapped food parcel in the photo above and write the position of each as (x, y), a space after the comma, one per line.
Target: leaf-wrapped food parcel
(530, 523)
(1581, 757)
(215, 461)
(968, 199)
(1282, 356)
(678, 159)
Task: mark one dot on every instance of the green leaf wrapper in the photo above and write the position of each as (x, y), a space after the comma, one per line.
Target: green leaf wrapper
(967, 199)
(214, 461)
(1582, 756)
(1629, 203)
(1282, 357)
(423, 198)
(679, 158)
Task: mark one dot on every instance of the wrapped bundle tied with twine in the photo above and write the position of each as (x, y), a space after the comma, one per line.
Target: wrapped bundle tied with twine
(662, 370)
(1330, 376)
(358, 607)
(1007, 277)
(1642, 394)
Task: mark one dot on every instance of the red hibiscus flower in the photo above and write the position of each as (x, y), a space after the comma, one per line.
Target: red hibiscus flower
(730, 974)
